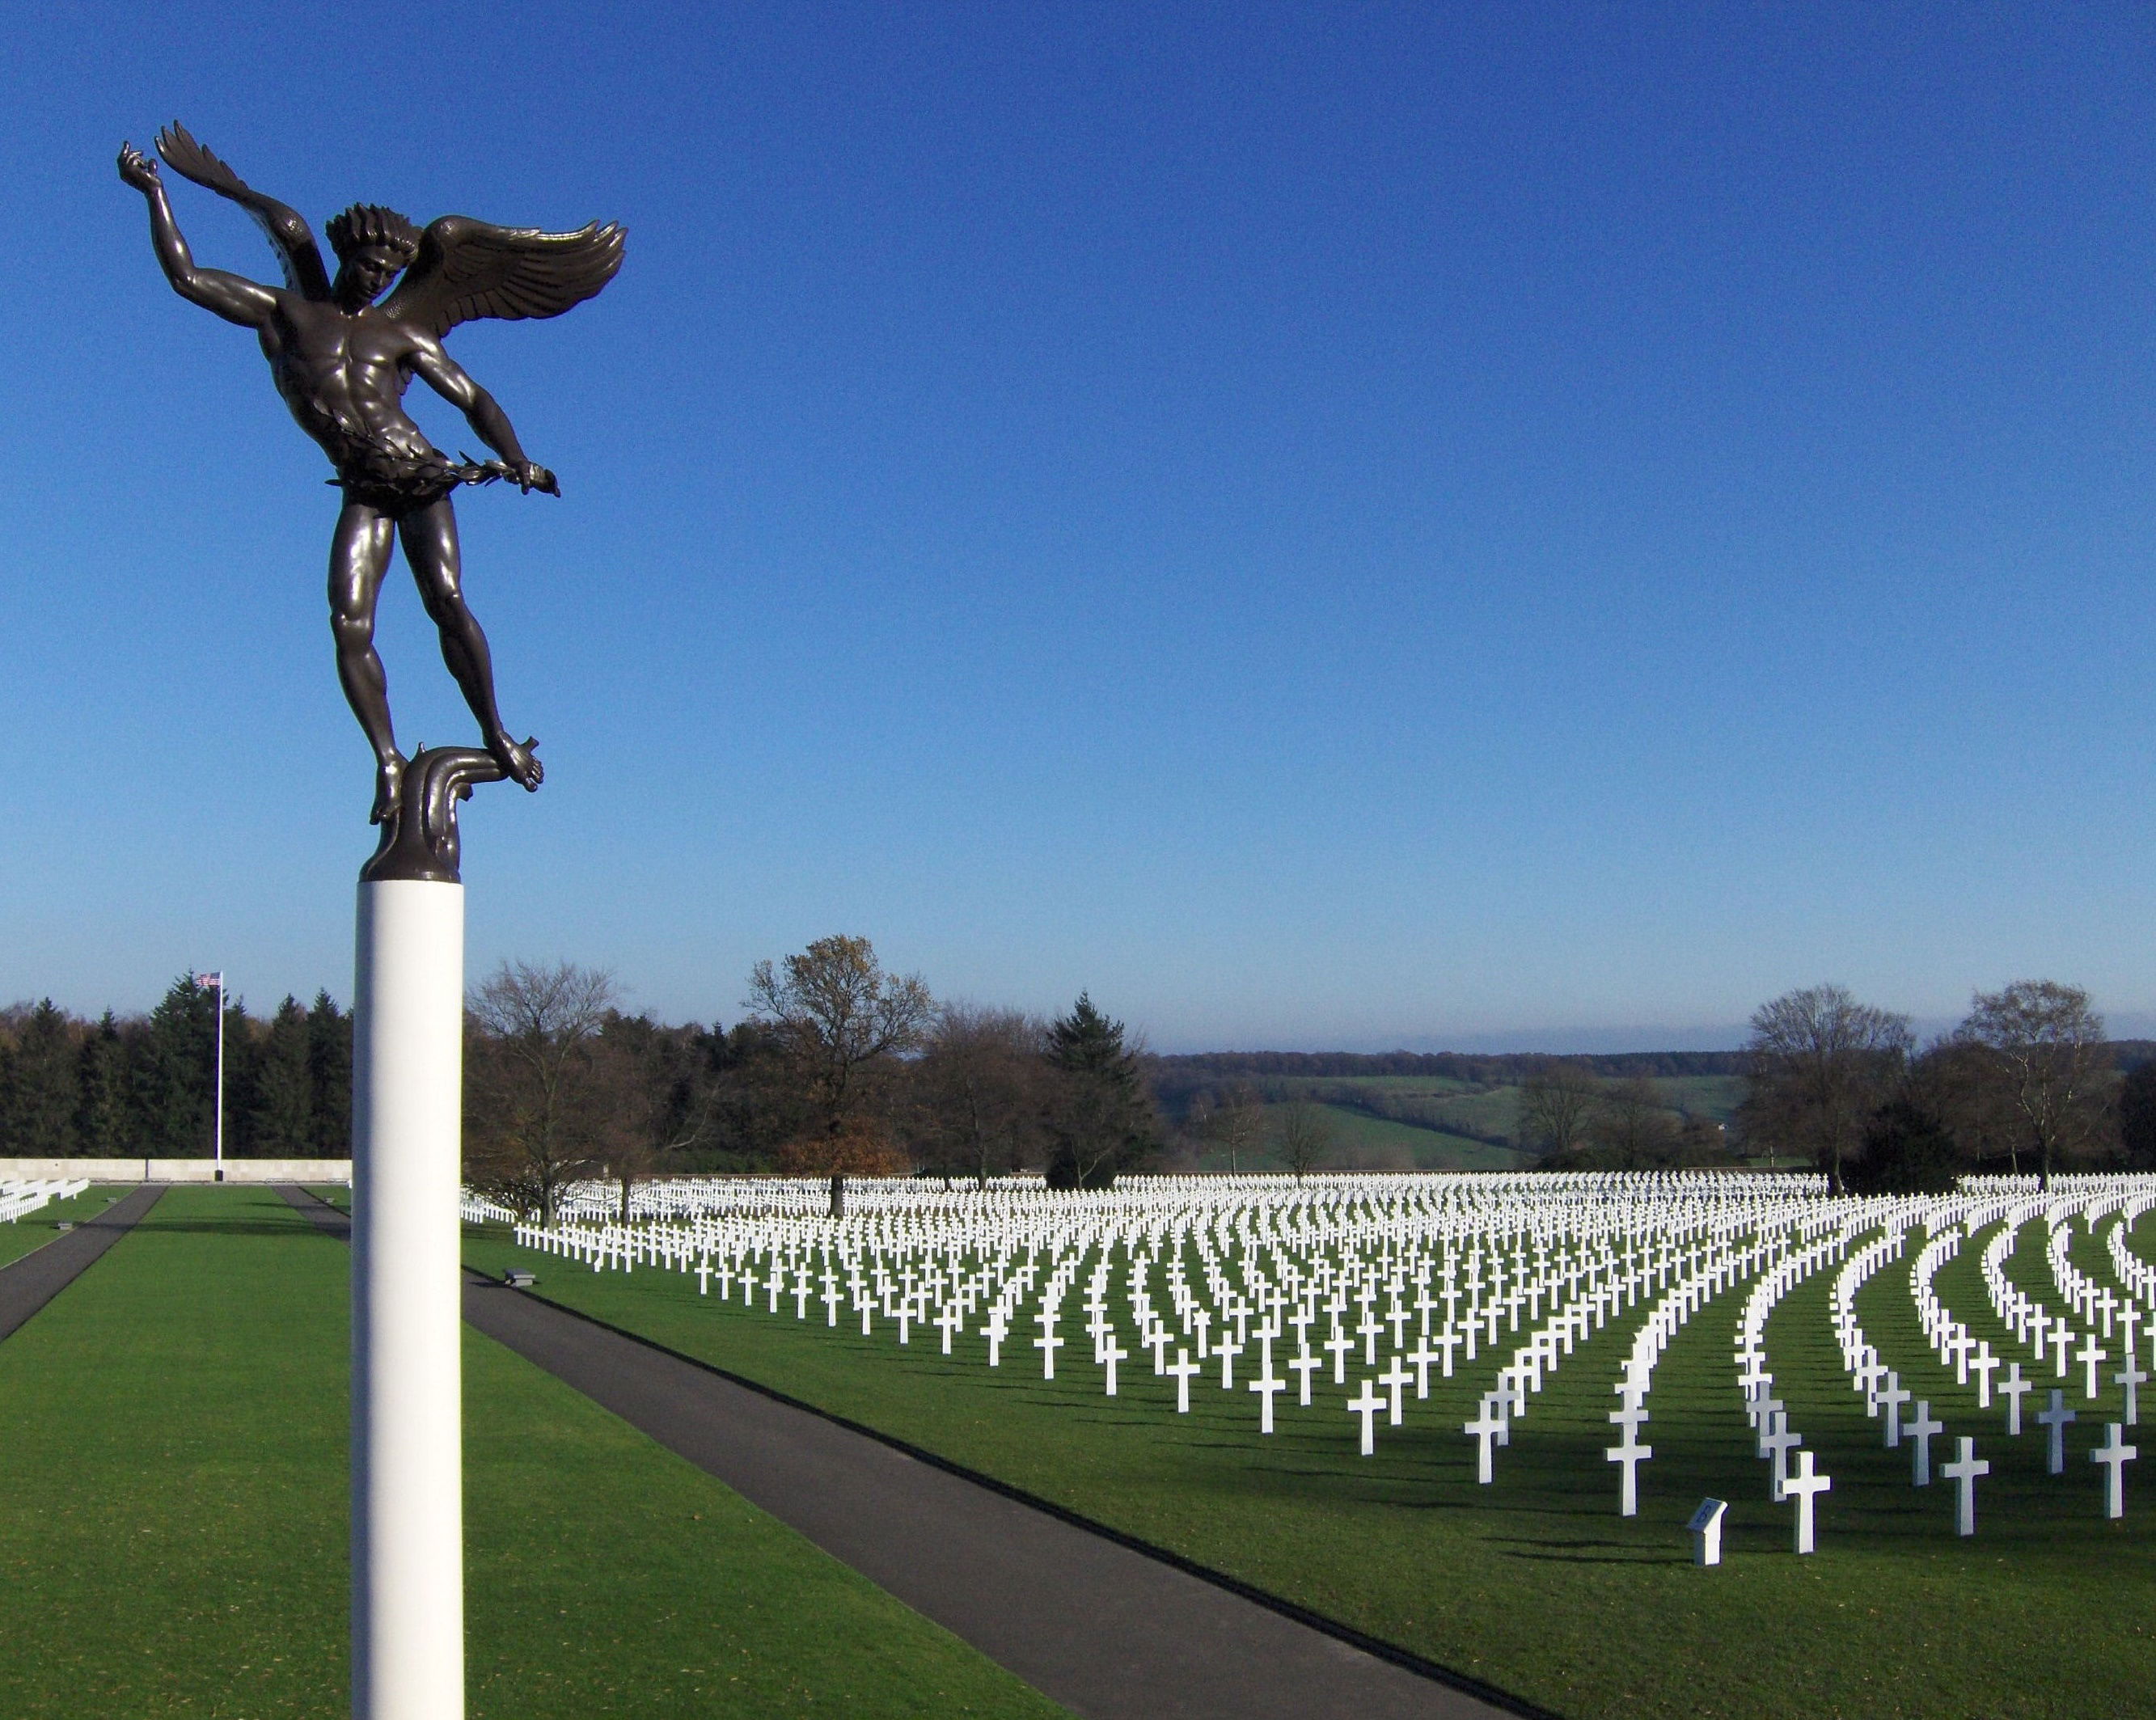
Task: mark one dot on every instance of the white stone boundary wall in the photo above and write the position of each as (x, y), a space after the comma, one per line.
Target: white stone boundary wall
(176, 1170)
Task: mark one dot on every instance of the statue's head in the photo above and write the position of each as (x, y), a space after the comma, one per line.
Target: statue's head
(372, 246)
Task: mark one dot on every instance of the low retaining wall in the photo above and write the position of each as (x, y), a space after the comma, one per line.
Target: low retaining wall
(181, 1170)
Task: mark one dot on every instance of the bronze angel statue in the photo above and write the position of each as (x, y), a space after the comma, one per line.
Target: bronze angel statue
(342, 362)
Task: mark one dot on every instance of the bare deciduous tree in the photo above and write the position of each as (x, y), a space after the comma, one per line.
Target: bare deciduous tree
(1306, 1136)
(1237, 1125)
(978, 1088)
(1821, 1064)
(843, 1022)
(2046, 1048)
(539, 1112)
(1631, 1127)
(1557, 1101)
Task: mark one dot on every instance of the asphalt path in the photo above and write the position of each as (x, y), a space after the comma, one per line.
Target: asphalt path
(1108, 1628)
(28, 1283)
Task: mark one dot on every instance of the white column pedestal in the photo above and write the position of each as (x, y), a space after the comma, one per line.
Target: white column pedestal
(408, 1578)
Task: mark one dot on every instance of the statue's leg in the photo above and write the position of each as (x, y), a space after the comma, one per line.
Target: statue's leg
(359, 555)
(430, 546)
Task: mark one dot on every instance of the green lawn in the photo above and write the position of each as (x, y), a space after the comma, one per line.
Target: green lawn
(41, 1226)
(173, 1527)
(1535, 1584)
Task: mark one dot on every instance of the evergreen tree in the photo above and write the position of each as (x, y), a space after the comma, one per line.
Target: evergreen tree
(37, 1086)
(100, 1112)
(173, 1073)
(281, 1114)
(329, 1074)
(1099, 1119)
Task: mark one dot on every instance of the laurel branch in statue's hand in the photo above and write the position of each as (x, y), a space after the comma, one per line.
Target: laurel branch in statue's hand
(137, 169)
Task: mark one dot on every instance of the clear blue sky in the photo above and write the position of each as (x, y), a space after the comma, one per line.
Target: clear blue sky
(1327, 526)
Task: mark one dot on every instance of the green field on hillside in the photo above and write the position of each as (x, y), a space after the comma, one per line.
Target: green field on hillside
(173, 1526)
(1536, 1584)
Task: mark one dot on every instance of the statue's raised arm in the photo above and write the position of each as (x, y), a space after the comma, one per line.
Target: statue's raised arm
(342, 362)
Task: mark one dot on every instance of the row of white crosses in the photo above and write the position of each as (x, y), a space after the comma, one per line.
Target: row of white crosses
(1957, 1348)
(1290, 1285)
(21, 1196)
(1794, 1256)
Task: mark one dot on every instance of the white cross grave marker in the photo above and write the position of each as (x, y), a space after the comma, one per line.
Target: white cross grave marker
(2114, 1454)
(1921, 1428)
(2132, 1378)
(1181, 1367)
(1367, 1405)
(1485, 1427)
(1962, 1472)
(2013, 1388)
(1802, 1486)
(2054, 1420)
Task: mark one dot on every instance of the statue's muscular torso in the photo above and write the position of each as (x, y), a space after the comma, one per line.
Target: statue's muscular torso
(343, 374)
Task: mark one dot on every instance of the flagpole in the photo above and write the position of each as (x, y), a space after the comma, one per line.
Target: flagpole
(210, 982)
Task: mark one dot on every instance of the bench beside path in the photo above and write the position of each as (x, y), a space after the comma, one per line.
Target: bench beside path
(1109, 1630)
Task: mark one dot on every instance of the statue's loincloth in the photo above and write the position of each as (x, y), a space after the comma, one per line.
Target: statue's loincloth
(397, 481)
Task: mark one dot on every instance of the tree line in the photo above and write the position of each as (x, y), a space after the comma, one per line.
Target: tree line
(2027, 1082)
(145, 1085)
(839, 1068)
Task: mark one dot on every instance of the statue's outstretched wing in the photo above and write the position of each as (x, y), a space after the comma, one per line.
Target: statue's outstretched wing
(467, 269)
(287, 228)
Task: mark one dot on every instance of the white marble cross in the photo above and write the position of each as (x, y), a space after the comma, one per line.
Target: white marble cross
(2056, 1420)
(1181, 1367)
(2013, 1388)
(1776, 1443)
(1631, 1457)
(1982, 1365)
(1227, 1350)
(2114, 1454)
(1112, 1353)
(1339, 1344)
(1367, 1405)
(2088, 1356)
(1486, 1427)
(995, 1328)
(1302, 1366)
(1048, 1342)
(1893, 1396)
(2132, 1378)
(1802, 1486)
(1962, 1472)
(1921, 1428)
(1393, 1378)
(1268, 1386)
(1422, 1355)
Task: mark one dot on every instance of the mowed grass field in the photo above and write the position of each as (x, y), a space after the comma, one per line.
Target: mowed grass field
(173, 1520)
(34, 1232)
(1535, 1583)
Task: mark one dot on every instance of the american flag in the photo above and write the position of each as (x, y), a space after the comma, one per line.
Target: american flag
(206, 982)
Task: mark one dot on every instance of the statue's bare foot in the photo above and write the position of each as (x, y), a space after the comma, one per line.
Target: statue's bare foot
(388, 786)
(518, 761)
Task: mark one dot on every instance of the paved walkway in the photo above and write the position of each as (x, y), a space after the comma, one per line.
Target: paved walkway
(1108, 1630)
(28, 1283)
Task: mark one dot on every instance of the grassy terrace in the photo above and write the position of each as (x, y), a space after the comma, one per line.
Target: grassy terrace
(172, 1520)
(1535, 1584)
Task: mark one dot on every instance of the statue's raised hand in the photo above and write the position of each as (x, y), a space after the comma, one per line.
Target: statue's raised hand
(529, 477)
(137, 169)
